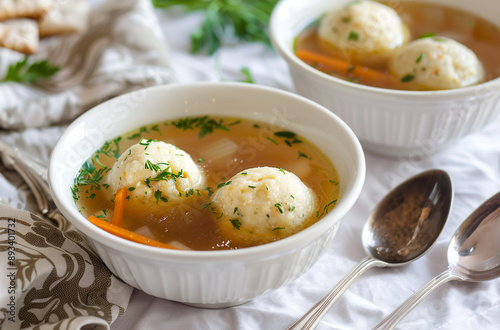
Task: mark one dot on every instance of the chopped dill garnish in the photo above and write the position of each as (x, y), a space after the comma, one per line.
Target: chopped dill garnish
(236, 223)
(205, 124)
(409, 77)
(325, 209)
(223, 184)
(353, 36)
(272, 140)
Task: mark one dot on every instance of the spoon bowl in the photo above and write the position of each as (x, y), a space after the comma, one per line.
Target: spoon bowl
(407, 221)
(474, 250)
(402, 227)
(473, 255)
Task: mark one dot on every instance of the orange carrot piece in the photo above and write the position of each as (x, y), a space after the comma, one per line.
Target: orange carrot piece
(342, 67)
(120, 196)
(126, 234)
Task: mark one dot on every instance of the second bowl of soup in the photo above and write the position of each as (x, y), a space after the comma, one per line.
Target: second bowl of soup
(409, 77)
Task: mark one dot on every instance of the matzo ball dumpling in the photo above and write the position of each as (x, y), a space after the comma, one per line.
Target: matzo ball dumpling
(437, 63)
(260, 203)
(363, 32)
(155, 169)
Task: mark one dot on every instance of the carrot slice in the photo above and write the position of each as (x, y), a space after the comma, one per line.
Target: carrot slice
(120, 196)
(326, 63)
(126, 234)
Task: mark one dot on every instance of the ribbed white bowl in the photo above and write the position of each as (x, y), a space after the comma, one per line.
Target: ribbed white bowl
(389, 122)
(209, 278)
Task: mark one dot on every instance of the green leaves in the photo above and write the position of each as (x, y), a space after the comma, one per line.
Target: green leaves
(245, 20)
(204, 123)
(23, 72)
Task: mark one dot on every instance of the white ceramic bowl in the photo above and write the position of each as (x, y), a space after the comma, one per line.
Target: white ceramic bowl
(390, 122)
(209, 278)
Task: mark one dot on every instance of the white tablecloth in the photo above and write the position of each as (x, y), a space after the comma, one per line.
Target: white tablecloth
(473, 163)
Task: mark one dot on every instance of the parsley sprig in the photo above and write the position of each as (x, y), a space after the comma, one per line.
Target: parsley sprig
(245, 20)
(26, 73)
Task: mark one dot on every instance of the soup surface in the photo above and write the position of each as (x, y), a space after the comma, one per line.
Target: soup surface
(221, 147)
(422, 19)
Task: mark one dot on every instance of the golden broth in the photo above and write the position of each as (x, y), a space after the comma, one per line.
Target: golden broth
(482, 37)
(239, 145)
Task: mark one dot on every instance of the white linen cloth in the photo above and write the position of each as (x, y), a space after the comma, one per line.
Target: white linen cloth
(473, 164)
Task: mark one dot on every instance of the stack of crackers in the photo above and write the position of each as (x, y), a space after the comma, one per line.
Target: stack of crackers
(24, 22)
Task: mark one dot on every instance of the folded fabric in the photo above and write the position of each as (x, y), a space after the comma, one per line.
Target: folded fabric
(121, 50)
(53, 279)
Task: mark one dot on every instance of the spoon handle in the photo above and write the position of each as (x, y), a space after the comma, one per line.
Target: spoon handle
(399, 313)
(311, 319)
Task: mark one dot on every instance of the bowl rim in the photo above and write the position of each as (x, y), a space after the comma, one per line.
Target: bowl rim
(276, 27)
(291, 243)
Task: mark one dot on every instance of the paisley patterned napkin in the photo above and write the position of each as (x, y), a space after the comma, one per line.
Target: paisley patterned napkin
(121, 50)
(51, 279)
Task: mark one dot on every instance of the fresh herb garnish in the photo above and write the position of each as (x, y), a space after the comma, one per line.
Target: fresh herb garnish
(354, 36)
(22, 72)
(223, 184)
(325, 209)
(290, 137)
(89, 175)
(419, 58)
(149, 165)
(146, 143)
(286, 134)
(205, 124)
(346, 19)
(427, 35)
(248, 76)
(272, 140)
(157, 195)
(245, 20)
(278, 206)
(74, 192)
(236, 223)
(110, 148)
(301, 154)
(409, 77)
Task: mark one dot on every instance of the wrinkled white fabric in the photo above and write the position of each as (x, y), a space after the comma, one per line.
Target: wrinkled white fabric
(473, 163)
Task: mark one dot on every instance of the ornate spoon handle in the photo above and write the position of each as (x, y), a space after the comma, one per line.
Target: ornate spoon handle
(34, 172)
(311, 319)
(397, 315)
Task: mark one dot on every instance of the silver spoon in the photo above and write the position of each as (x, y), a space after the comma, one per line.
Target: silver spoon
(473, 255)
(403, 226)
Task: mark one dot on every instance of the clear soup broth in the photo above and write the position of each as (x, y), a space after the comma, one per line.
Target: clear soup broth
(221, 147)
(422, 19)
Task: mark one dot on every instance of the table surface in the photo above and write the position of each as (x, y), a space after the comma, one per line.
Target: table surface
(473, 164)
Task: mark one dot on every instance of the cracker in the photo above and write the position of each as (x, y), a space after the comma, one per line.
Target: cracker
(3, 30)
(22, 35)
(23, 8)
(70, 16)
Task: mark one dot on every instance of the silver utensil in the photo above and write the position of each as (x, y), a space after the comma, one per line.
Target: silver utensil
(473, 255)
(34, 172)
(402, 227)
